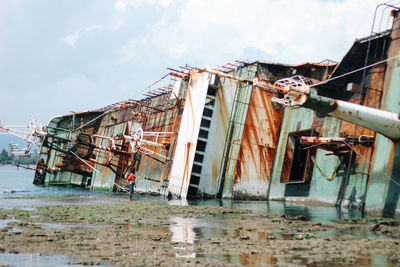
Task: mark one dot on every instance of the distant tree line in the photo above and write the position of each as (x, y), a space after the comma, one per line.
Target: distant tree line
(6, 159)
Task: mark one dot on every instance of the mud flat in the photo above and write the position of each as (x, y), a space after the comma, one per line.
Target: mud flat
(152, 234)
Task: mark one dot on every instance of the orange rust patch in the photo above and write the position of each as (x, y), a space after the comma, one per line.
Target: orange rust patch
(260, 136)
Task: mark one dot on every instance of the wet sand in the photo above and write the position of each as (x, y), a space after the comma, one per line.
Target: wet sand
(123, 233)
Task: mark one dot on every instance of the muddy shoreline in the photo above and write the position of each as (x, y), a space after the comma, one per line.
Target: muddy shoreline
(123, 233)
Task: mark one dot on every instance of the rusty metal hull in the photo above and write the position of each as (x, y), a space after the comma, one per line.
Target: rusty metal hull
(224, 146)
(258, 147)
(102, 169)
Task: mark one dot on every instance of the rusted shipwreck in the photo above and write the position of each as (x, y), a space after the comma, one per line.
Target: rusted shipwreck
(223, 144)
(224, 133)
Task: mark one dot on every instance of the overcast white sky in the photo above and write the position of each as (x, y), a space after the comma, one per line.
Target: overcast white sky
(61, 56)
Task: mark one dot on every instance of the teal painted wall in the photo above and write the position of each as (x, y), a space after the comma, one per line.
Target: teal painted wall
(339, 191)
(321, 189)
(294, 119)
(384, 183)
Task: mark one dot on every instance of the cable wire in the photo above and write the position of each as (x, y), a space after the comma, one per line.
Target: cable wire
(369, 162)
(354, 71)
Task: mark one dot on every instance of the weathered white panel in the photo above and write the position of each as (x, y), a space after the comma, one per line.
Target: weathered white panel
(217, 135)
(182, 163)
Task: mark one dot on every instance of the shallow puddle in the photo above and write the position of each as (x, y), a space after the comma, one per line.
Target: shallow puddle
(190, 230)
(269, 259)
(51, 226)
(3, 223)
(352, 234)
(260, 259)
(323, 214)
(37, 260)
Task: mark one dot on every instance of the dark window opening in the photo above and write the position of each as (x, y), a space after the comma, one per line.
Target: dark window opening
(297, 164)
(203, 134)
(216, 82)
(196, 168)
(201, 146)
(207, 112)
(198, 158)
(194, 179)
(205, 123)
(212, 90)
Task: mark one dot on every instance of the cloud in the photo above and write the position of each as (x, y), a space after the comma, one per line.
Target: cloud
(73, 38)
(163, 3)
(124, 5)
(286, 30)
(128, 52)
(117, 24)
(139, 38)
(121, 5)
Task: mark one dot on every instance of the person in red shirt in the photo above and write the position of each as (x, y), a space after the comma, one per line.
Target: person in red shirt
(131, 181)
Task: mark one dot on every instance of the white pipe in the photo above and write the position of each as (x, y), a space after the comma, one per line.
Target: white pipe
(383, 122)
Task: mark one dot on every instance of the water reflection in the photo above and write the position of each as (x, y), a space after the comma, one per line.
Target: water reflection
(182, 231)
(356, 234)
(257, 259)
(188, 255)
(192, 230)
(323, 214)
(189, 230)
(269, 259)
(58, 226)
(176, 202)
(37, 260)
(3, 223)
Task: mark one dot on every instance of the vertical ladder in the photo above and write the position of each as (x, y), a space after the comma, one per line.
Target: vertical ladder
(235, 130)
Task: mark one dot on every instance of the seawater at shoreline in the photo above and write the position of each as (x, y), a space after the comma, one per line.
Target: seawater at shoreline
(17, 184)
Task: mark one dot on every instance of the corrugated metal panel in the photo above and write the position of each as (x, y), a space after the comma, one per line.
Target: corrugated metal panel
(105, 177)
(153, 171)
